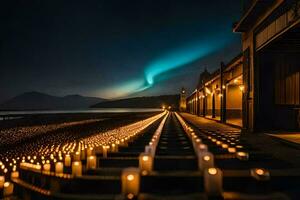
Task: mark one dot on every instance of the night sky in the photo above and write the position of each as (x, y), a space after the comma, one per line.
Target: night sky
(112, 48)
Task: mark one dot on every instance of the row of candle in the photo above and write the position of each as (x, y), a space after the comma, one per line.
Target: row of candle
(213, 177)
(130, 177)
(146, 159)
(56, 153)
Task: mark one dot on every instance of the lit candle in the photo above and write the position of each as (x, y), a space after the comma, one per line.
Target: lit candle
(77, 156)
(205, 160)
(91, 162)
(213, 181)
(242, 155)
(224, 146)
(114, 148)
(76, 168)
(130, 181)
(47, 167)
(8, 189)
(202, 147)
(145, 163)
(14, 174)
(59, 168)
(67, 160)
(104, 151)
(231, 150)
(260, 174)
(2, 180)
(89, 151)
(196, 142)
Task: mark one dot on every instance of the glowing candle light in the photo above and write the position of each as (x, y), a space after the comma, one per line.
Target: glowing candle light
(202, 147)
(8, 189)
(145, 163)
(213, 181)
(260, 174)
(59, 168)
(89, 151)
(91, 162)
(46, 168)
(104, 151)
(130, 182)
(205, 160)
(14, 174)
(242, 155)
(77, 168)
(67, 160)
(231, 150)
(224, 146)
(114, 148)
(77, 156)
(2, 180)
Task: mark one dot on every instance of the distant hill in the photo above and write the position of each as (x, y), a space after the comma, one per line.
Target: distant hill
(141, 102)
(41, 101)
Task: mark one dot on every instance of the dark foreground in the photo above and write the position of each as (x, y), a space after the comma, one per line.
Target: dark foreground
(169, 159)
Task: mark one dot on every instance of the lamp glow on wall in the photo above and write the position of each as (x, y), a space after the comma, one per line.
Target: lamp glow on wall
(130, 182)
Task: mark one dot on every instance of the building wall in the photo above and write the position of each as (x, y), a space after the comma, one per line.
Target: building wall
(234, 102)
(248, 43)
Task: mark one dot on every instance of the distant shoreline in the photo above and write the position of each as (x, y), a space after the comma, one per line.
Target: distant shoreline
(77, 111)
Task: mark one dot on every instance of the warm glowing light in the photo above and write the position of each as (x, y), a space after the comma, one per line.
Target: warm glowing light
(130, 177)
(260, 171)
(212, 171)
(145, 158)
(130, 196)
(231, 150)
(206, 158)
(6, 184)
(242, 88)
(224, 146)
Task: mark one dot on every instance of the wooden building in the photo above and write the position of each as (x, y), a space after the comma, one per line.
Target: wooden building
(271, 47)
(260, 89)
(219, 95)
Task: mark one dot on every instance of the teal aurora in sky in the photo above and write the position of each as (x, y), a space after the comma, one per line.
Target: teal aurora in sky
(169, 61)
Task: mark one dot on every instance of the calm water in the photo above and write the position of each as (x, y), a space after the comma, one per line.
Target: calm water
(96, 110)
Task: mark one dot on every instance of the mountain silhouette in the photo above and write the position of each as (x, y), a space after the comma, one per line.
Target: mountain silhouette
(141, 102)
(42, 101)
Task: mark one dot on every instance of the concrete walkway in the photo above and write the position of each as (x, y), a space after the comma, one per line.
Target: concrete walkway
(261, 142)
(290, 137)
(208, 124)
